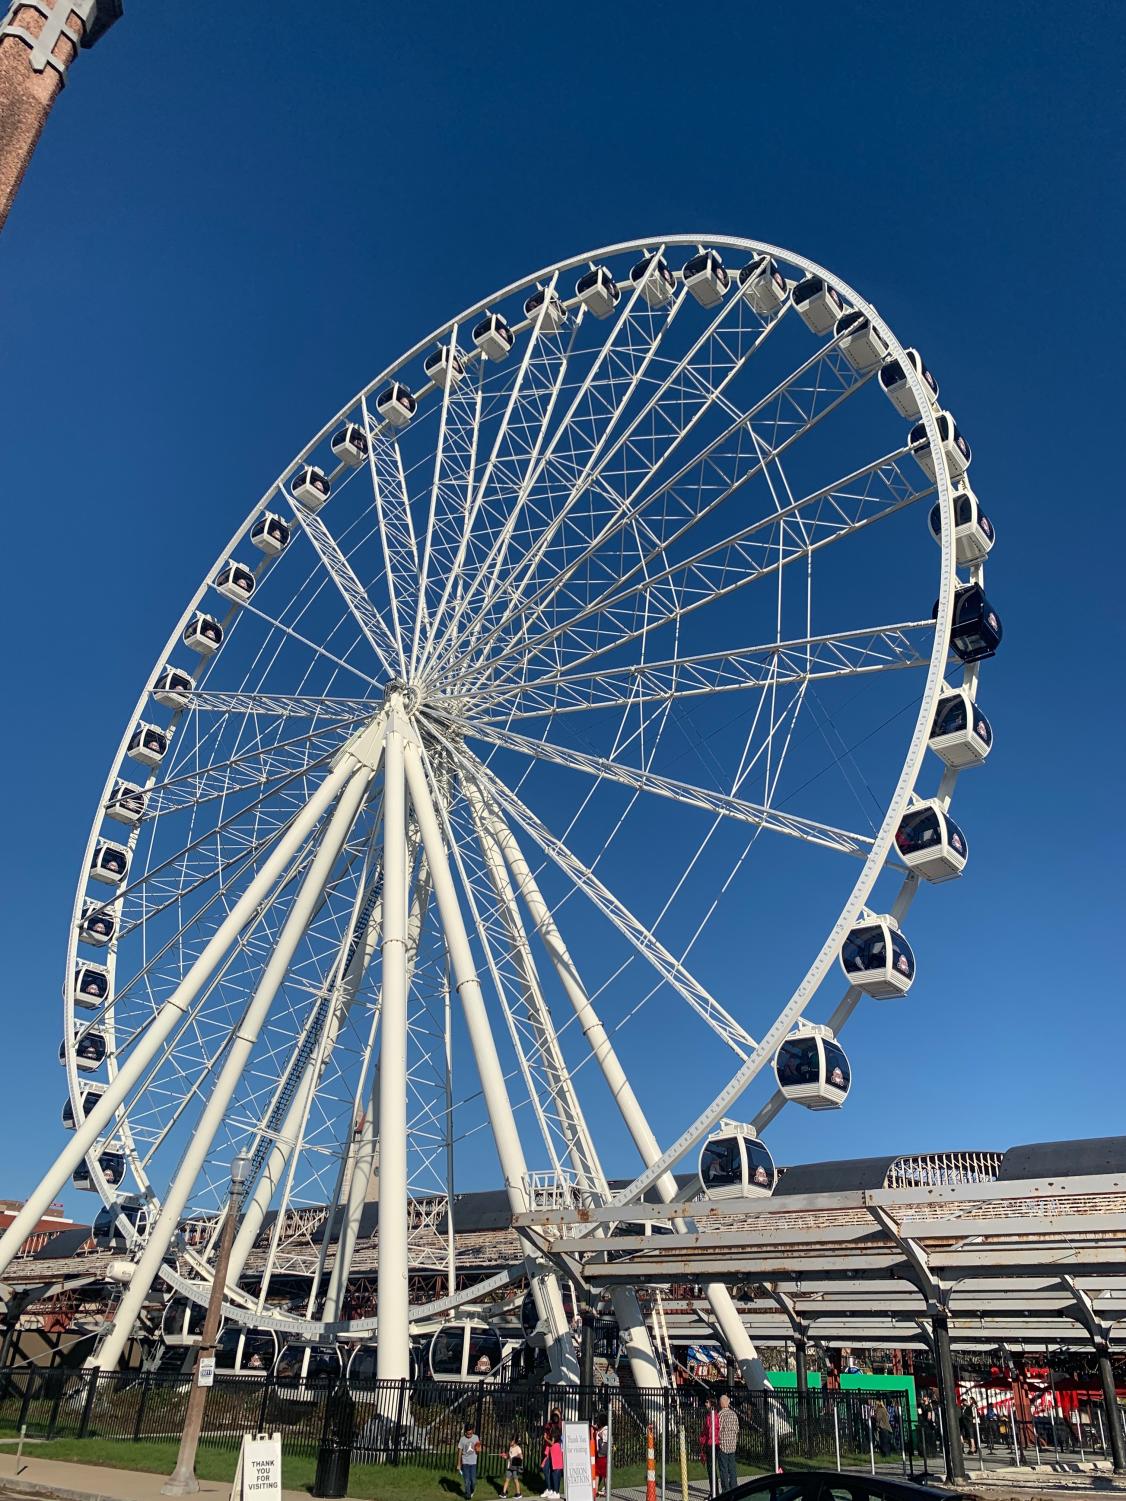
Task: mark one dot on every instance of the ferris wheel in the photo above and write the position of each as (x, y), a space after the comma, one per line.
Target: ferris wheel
(547, 740)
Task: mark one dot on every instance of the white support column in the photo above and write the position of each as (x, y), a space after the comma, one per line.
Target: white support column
(545, 1288)
(238, 1053)
(393, 1357)
(722, 1303)
(99, 1121)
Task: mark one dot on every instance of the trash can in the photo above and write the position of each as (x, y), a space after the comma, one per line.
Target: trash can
(334, 1456)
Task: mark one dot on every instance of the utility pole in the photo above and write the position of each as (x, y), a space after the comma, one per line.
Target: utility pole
(182, 1481)
(39, 39)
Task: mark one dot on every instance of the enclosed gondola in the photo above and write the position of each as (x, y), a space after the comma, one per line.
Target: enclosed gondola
(350, 445)
(763, 285)
(706, 277)
(109, 862)
(735, 1164)
(464, 1351)
(235, 581)
(173, 687)
(111, 1165)
(311, 487)
(812, 1068)
(246, 1352)
(90, 1048)
(877, 959)
(148, 744)
(554, 313)
(90, 986)
(654, 276)
(362, 1365)
(97, 925)
(444, 366)
(861, 342)
(931, 843)
(597, 290)
(270, 534)
(396, 404)
(203, 634)
(126, 802)
(975, 626)
(89, 1097)
(960, 734)
(896, 387)
(305, 1371)
(817, 304)
(494, 337)
(116, 1225)
(181, 1324)
(955, 449)
(973, 530)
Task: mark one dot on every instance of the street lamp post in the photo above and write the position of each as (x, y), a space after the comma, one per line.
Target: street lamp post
(182, 1481)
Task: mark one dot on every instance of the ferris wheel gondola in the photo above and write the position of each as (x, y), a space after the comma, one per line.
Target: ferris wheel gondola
(735, 1164)
(812, 1068)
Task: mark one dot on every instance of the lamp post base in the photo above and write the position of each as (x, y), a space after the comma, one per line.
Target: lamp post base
(181, 1482)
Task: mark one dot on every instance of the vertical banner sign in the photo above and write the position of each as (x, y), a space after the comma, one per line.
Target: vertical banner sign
(258, 1476)
(205, 1371)
(576, 1461)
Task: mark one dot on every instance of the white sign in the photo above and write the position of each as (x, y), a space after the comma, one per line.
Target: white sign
(258, 1476)
(576, 1461)
(205, 1371)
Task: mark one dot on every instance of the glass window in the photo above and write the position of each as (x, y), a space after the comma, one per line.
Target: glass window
(837, 1070)
(964, 510)
(484, 1350)
(483, 328)
(982, 728)
(697, 264)
(364, 1364)
(112, 1165)
(446, 1350)
(902, 959)
(807, 290)
(892, 375)
(760, 1164)
(918, 830)
(258, 1351)
(853, 322)
(955, 838)
(864, 949)
(226, 1350)
(950, 716)
(721, 1163)
(799, 1062)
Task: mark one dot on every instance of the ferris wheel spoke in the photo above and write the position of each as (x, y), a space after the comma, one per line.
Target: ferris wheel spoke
(371, 624)
(396, 537)
(677, 504)
(281, 705)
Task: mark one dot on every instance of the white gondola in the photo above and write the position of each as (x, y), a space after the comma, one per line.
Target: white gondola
(181, 1324)
(97, 924)
(893, 383)
(954, 447)
(817, 304)
(235, 581)
(109, 862)
(270, 534)
(396, 404)
(554, 314)
(812, 1068)
(116, 1224)
(493, 337)
(654, 276)
(305, 1372)
(203, 634)
(734, 1164)
(91, 1094)
(931, 843)
(89, 986)
(311, 487)
(464, 1351)
(148, 744)
(90, 1048)
(877, 959)
(444, 366)
(350, 445)
(707, 278)
(246, 1352)
(861, 343)
(173, 687)
(112, 1165)
(763, 285)
(973, 531)
(126, 802)
(960, 735)
(975, 626)
(597, 290)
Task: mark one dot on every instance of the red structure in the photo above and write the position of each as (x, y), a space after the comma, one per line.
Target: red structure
(51, 1223)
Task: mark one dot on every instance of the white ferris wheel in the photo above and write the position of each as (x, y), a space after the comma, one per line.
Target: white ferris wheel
(546, 739)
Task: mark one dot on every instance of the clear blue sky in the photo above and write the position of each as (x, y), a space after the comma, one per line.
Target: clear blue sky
(238, 214)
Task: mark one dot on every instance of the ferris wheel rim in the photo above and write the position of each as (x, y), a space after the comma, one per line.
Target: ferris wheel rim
(935, 674)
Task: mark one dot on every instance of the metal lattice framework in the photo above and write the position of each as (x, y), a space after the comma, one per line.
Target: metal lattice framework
(579, 613)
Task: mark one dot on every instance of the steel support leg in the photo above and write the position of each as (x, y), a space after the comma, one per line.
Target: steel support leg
(1111, 1410)
(948, 1396)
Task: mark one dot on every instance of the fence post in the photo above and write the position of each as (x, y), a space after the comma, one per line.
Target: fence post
(52, 1421)
(87, 1406)
(1102, 1431)
(32, 1377)
(837, 1432)
(141, 1406)
(977, 1435)
(397, 1436)
(264, 1405)
(871, 1439)
(664, 1436)
(610, 1447)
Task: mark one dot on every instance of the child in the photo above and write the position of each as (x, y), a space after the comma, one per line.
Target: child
(468, 1450)
(601, 1454)
(552, 1458)
(515, 1466)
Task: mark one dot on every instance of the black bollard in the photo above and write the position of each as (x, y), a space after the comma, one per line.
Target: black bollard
(334, 1456)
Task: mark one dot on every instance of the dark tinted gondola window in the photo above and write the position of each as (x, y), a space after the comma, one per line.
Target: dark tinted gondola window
(484, 1351)
(982, 728)
(853, 322)
(950, 717)
(445, 1351)
(892, 375)
(806, 290)
(721, 1165)
(760, 1165)
(837, 1071)
(799, 1062)
(902, 958)
(918, 830)
(863, 949)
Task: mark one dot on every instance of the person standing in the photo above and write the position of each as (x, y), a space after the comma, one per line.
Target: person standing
(552, 1458)
(728, 1443)
(514, 1466)
(468, 1450)
(883, 1427)
(601, 1454)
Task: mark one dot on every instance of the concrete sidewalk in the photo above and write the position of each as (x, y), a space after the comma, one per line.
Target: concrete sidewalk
(73, 1482)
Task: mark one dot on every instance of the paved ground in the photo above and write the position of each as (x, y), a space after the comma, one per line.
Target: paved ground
(71, 1482)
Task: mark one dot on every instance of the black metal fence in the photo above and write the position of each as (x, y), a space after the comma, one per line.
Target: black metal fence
(419, 1423)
